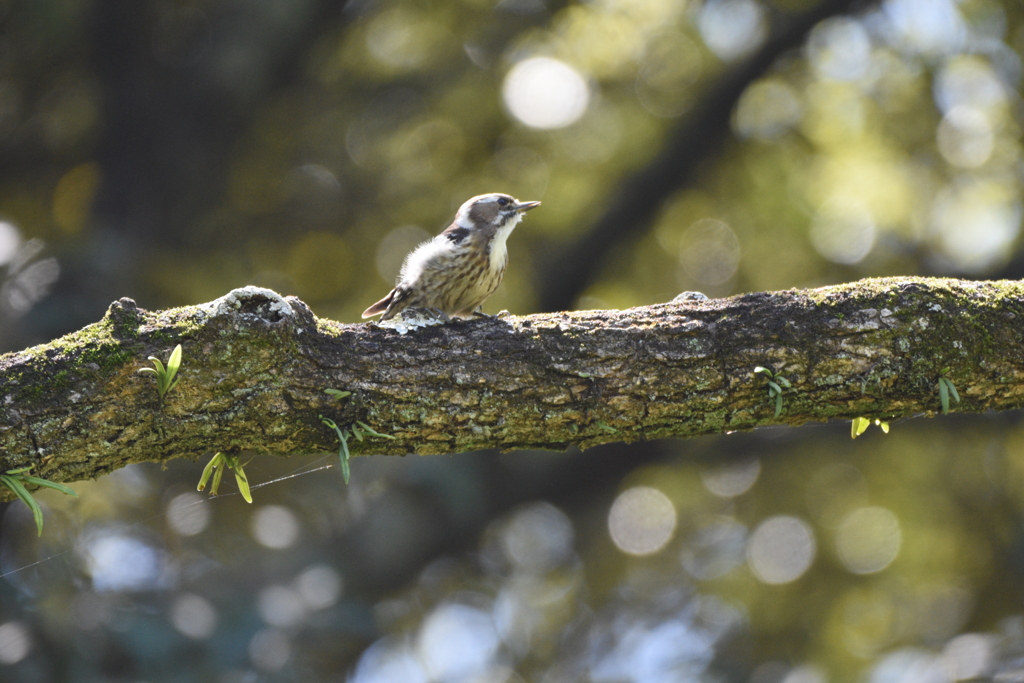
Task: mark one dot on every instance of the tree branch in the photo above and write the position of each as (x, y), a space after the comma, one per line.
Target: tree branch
(256, 366)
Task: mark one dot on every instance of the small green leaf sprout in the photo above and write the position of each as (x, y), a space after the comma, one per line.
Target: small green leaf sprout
(946, 389)
(337, 393)
(360, 430)
(216, 467)
(860, 424)
(343, 454)
(775, 384)
(15, 480)
(165, 377)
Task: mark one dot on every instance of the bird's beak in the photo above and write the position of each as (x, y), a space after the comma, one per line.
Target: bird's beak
(526, 206)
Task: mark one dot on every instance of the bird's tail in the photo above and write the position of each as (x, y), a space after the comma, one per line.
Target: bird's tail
(380, 306)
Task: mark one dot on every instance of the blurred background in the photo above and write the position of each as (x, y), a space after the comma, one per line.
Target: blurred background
(171, 150)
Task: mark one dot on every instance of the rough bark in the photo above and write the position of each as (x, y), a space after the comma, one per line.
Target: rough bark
(256, 366)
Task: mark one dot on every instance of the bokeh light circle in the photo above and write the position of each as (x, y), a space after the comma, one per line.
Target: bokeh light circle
(781, 549)
(868, 540)
(969, 656)
(709, 252)
(767, 109)
(734, 479)
(805, 673)
(641, 520)
(10, 241)
(270, 649)
(976, 223)
(931, 27)
(457, 642)
(843, 231)
(538, 538)
(732, 28)
(839, 48)
(193, 616)
(274, 526)
(965, 137)
(389, 660)
(968, 81)
(15, 642)
(320, 586)
(280, 606)
(545, 93)
(188, 514)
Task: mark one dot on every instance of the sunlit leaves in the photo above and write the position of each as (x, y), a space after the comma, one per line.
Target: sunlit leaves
(860, 424)
(16, 479)
(218, 463)
(166, 377)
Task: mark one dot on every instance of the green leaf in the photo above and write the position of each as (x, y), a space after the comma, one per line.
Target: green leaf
(174, 362)
(243, 482)
(372, 432)
(50, 485)
(343, 456)
(165, 377)
(952, 390)
(37, 512)
(761, 368)
(778, 404)
(858, 426)
(783, 381)
(16, 479)
(337, 393)
(217, 475)
(208, 470)
(218, 463)
(774, 389)
(158, 365)
(883, 425)
(243, 486)
(943, 396)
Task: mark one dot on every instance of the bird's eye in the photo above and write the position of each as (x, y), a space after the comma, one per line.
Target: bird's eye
(502, 201)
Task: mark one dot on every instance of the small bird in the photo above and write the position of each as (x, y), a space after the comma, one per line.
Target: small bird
(453, 273)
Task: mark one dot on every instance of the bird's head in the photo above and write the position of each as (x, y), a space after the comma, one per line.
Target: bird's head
(492, 211)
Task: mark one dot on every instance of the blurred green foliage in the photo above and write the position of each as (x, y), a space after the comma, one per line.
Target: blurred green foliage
(172, 150)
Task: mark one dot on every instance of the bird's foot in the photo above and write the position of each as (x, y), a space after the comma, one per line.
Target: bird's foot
(480, 314)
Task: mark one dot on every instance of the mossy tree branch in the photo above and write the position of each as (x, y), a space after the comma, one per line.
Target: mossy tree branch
(256, 366)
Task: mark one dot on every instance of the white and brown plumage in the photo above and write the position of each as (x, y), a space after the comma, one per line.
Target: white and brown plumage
(458, 269)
